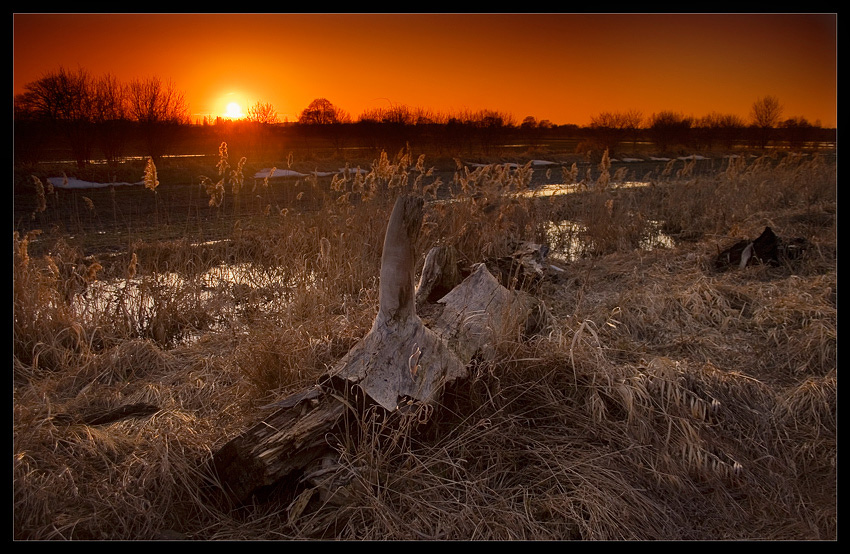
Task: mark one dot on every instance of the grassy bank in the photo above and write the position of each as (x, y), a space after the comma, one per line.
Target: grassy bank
(672, 400)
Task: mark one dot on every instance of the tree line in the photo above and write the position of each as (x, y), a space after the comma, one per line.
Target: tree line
(88, 114)
(667, 129)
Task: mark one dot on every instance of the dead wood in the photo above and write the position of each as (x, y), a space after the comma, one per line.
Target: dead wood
(400, 362)
(440, 274)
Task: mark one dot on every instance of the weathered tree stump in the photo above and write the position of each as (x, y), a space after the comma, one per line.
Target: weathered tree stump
(399, 362)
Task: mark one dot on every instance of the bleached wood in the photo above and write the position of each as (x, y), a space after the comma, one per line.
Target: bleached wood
(400, 360)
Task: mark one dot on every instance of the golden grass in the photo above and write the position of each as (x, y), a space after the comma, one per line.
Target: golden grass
(670, 402)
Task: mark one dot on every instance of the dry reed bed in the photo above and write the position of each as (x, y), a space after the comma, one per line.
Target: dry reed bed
(670, 402)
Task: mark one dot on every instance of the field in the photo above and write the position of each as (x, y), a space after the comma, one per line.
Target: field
(672, 400)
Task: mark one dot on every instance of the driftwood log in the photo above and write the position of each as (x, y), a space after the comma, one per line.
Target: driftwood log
(400, 363)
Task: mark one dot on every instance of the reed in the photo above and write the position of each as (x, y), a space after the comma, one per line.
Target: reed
(669, 401)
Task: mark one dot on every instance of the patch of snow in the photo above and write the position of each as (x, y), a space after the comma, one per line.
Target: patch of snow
(71, 183)
(263, 173)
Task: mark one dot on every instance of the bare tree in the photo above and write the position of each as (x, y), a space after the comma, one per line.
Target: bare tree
(491, 127)
(669, 129)
(392, 126)
(611, 128)
(158, 107)
(531, 130)
(64, 98)
(722, 128)
(263, 113)
(31, 131)
(109, 111)
(766, 112)
(633, 121)
(261, 117)
(322, 120)
(765, 115)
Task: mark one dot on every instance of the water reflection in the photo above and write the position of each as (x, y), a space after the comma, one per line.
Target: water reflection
(572, 240)
(214, 300)
(567, 239)
(656, 237)
(559, 189)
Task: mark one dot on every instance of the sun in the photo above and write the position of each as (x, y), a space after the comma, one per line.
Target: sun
(234, 111)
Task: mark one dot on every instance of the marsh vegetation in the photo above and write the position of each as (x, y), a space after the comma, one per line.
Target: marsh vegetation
(671, 401)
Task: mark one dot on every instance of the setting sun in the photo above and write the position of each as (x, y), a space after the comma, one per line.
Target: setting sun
(741, 57)
(234, 111)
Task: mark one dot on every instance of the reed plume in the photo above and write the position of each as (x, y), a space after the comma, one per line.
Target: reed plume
(41, 200)
(150, 178)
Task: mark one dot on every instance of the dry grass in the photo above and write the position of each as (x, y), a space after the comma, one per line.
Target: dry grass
(671, 402)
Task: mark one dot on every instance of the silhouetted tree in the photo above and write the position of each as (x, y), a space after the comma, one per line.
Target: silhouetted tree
(392, 126)
(455, 135)
(797, 131)
(633, 122)
(159, 108)
(64, 99)
(321, 119)
(491, 127)
(321, 112)
(531, 130)
(261, 116)
(31, 131)
(110, 114)
(766, 111)
(609, 129)
(765, 115)
(725, 129)
(263, 113)
(667, 129)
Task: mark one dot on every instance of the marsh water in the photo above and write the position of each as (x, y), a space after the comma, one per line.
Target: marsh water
(219, 296)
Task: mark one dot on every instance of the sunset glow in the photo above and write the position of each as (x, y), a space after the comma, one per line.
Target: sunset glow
(234, 111)
(564, 68)
(424, 277)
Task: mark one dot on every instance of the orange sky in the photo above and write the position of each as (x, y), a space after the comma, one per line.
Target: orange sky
(562, 67)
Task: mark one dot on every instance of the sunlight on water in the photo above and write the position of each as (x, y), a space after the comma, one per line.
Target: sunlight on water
(567, 240)
(658, 238)
(559, 189)
(570, 240)
(220, 294)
